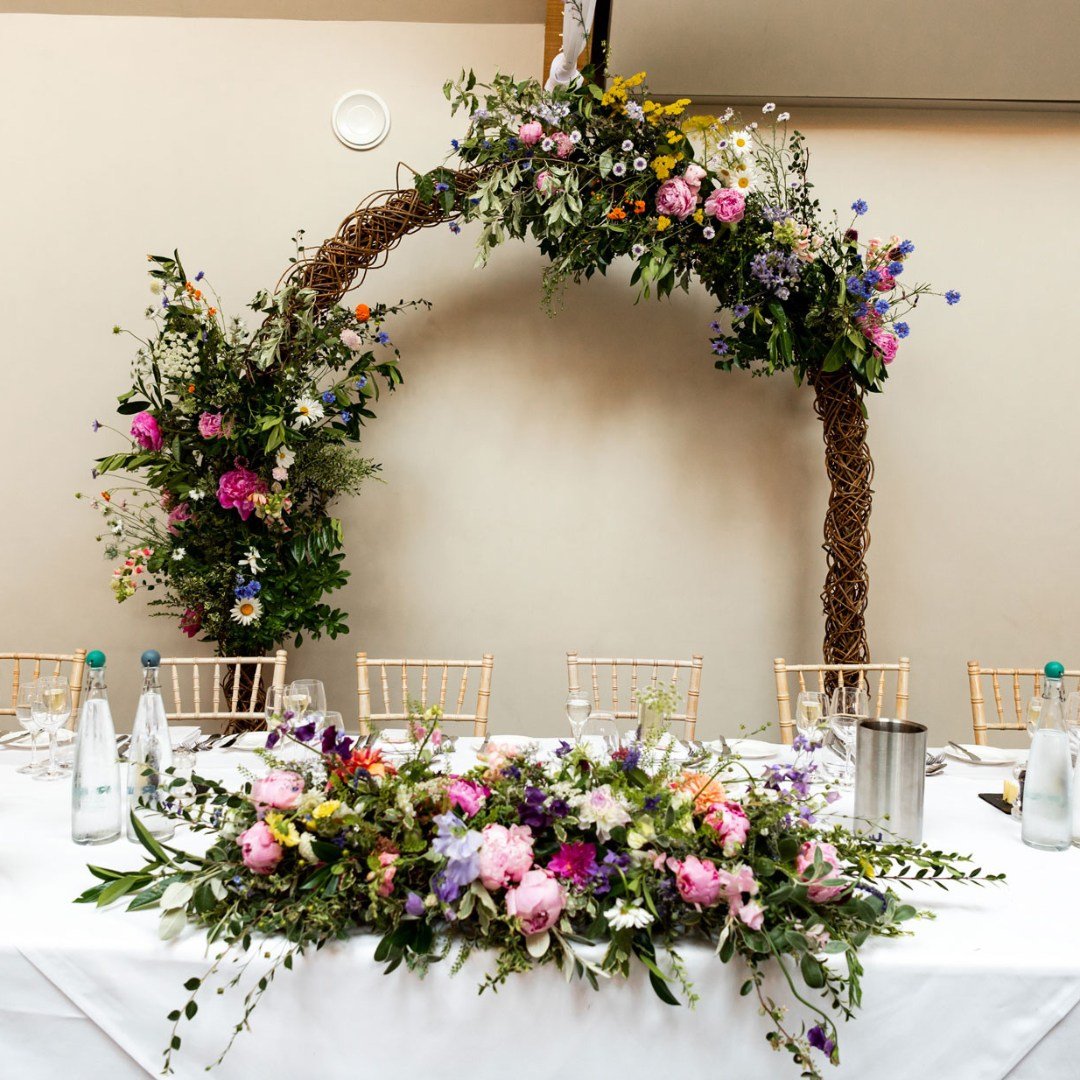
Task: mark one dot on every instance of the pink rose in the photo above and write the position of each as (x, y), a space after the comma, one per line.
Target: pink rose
(468, 795)
(537, 902)
(804, 861)
(280, 790)
(698, 882)
(145, 431)
(177, 516)
(545, 183)
(506, 855)
(235, 489)
(210, 425)
(693, 176)
(564, 145)
(531, 133)
(386, 861)
(261, 851)
(726, 205)
(676, 198)
(885, 343)
(731, 824)
(351, 340)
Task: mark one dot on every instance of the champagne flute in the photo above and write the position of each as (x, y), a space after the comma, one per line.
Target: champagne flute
(26, 719)
(811, 710)
(50, 706)
(578, 710)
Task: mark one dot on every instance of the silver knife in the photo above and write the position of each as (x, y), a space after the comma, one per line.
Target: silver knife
(966, 752)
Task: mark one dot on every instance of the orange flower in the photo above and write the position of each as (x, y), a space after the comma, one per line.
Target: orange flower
(639, 206)
(363, 313)
(191, 388)
(618, 214)
(106, 496)
(371, 761)
(211, 312)
(706, 790)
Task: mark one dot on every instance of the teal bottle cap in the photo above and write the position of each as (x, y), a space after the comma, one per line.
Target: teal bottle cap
(1054, 670)
(95, 659)
(150, 658)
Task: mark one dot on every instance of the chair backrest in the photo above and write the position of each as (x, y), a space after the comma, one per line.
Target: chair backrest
(1010, 699)
(642, 673)
(225, 688)
(840, 675)
(435, 688)
(25, 667)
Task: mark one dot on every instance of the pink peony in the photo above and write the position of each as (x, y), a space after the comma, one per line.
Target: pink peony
(351, 340)
(210, 425)
(531, 133)
(235, 489)
(693, 176)
(177, 516)
(576, 862)
(506, 855)
(261, 851)
(731, 824)
(279, 790)
(698, 882)
(145, 431)
(676, 198)
(564, 145)
(537, 902)
(545, 183)
(727, 205)
(468, 795)
(804, 863)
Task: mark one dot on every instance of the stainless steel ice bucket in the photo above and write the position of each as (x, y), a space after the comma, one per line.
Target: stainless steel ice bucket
(890, 776)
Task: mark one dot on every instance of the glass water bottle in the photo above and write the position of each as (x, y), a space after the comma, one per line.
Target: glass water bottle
(1047, 821)
(95, 786)
(149, 756)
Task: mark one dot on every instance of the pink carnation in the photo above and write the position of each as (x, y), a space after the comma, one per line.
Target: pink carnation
(260, 850)
(698, 881)
(804, 864)
(145, 431)
(279, 790)
(676, 198)
(531, 133)
(731, 824)
(506, 855)
(468, 795)
(885, 343)
(537, 902)
(210, 425)
(727, 205)
(235, 489)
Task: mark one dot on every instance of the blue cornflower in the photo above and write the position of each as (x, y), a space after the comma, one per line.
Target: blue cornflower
(860, 207)
(526, 166)
(740, 311)
(246, 591)
(905, 247)
(902, 329)
(361, 382)
(199, 276)
(346, 416)
(632, 758)
(896, 268)
(329, 397)
(856, 287)
(881, 306)
(475, 200)
(486, 144)
(512, 143)
(382, 337)
(455, 228)
(440, 187)
(860, 311)
(952, 297)
(164, 301)
(872, 277)
(454, 144)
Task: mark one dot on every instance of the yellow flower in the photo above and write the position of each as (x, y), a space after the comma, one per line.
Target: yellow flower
(663, 223)
(662, 166)
(698, 123)
(284, 832)
(616, 93)
(674, 136)
(326, 809)
(699, 216)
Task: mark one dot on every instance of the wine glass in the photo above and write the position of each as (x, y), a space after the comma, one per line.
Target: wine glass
(306, 697)
(50, 706)
(1032, 714)
(849, 705)
(25, 717)
(811, 711)
(578, 710)
(274, 706)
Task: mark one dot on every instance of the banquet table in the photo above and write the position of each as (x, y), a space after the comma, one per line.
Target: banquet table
(988, 989)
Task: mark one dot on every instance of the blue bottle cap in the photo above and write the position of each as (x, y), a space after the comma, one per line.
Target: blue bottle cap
(1054, 670)
(95, 659)
(150, 658)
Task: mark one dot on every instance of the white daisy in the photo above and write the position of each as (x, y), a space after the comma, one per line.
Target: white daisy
(741, 142)
(194, 495)
(308, 411)
(247, 611)
(743, 179)
(768, 107)
(178, 554)
(284, 458)
(252, 560)
(626, 916)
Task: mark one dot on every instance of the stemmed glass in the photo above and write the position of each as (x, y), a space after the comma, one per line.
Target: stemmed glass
(578, 710)
(811, 713)
(306, 698)
(850, 704)
(275, 706)
(25, 717)
(50, 707)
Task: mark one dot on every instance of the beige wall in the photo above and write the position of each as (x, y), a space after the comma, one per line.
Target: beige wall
(588, 481)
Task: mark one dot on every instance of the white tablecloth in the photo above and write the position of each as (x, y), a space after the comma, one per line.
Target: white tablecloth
(989, 989)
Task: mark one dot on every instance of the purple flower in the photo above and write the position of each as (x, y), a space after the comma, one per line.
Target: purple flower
(896, 268)
(455, 228)
(776, 270)
(414, 905)
(881, 306)
(563, 749)
(329, 397)
(447, 891)
(305, 732)
(617, 858)
(872, 277)
(382, 337)
(94, 425)
(817, 1038)
(905, 247)
(460, 846)
(651, 803)
(329, 739)
(740, 311)
(346, 416)
(440, 187)
(952, 297)
(273, 739)
(199, 276)
(361, 382)
(558, 809)
(632, 758)
(860, 207)
(246, 591)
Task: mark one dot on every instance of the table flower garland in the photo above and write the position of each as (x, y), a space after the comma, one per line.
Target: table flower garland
(594, 863)
(239, 443)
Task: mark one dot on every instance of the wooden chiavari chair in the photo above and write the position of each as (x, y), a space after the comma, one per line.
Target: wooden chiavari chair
(1012, 695)
(845, 675)
(235, 708)
(25, 667)
(652, 671)
(435, 688)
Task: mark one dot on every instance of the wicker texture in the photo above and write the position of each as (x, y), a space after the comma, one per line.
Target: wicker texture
(29, 666)
(1010, 696)
(825, 677)
(651, 671)
(223, 688)
(428, 682)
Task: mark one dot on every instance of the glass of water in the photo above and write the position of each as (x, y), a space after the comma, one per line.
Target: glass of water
(50, 707)
(849, 705)
(26, 719)
(601, 726)
(578, 710)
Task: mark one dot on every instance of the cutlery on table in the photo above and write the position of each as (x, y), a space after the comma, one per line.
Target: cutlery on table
(966, 752)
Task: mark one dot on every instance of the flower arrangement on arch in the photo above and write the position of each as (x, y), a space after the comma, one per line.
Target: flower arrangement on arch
(535, 857)
(240, 441)
(597, 174)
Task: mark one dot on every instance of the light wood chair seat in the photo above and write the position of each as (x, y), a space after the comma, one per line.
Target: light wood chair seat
(638, 669)
(842, 675)
(29, 666)
(239, 707)
(1014, 695)
(434, 689)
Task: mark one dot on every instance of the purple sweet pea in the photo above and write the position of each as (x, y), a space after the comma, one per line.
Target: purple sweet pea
(817, 1038)
(414, 905)
(329, 739)
(305, 732)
